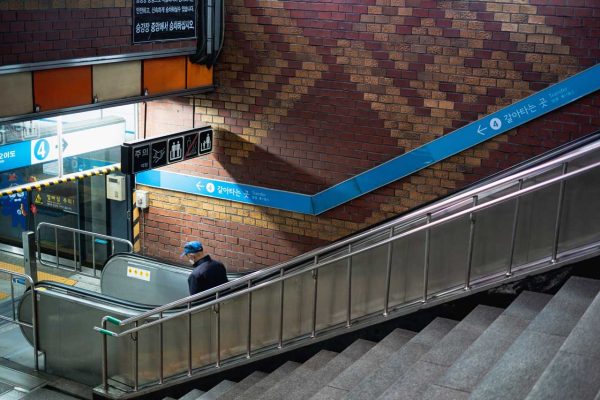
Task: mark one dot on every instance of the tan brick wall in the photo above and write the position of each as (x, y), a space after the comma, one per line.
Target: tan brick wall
(312, 93)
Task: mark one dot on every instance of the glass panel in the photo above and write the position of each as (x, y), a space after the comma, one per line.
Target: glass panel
(581, 212)
(265, 316)
(234, 326)
(297, 302)
(448, 255)
(332, 298)
(368, 277)
(406, 279)
(493, 233)
(536, 224)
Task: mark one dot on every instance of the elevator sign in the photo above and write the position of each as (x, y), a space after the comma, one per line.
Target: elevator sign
(143, 155)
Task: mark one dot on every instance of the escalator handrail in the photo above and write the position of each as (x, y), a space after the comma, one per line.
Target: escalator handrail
(444, 204)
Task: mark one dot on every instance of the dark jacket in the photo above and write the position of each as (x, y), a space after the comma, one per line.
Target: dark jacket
(207, 274)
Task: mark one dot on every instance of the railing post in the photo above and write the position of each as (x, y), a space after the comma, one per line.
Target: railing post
(34, 325)
(249, 339)
(561, 197)
(29, 262)
(217, 310)
(74, 252)
(56, 246)
(349, 288)
(94, 254)
(104, 358)
(388, 274)
(161, 348)
(189, 323)
(315, 276)
(471, 245)
(281, 294)
(426, 263)
(513, 239)
(135, 337)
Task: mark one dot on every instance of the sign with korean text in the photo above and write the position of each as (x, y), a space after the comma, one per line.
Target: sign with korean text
(159, 20)
(143, 155)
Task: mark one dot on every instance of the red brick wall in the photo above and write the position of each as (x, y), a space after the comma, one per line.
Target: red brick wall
(312, 93)
(49, 30)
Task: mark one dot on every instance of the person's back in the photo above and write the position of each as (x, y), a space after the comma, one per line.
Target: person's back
(207, 273)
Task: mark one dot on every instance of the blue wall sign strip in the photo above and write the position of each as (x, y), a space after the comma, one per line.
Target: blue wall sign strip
(227, 190)
(510, 117)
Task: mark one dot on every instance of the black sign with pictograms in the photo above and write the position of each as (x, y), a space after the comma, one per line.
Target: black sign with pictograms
(158, 20)
(158, 154)
(143, 155)
(190, 146)
(141, 158)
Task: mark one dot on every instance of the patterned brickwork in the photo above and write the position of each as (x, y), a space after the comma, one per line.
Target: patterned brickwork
(49, 30)
(313, 92)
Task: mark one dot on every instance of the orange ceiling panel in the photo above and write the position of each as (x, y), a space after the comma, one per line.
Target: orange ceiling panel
(198, 75)
(163, 75)
(62, 87)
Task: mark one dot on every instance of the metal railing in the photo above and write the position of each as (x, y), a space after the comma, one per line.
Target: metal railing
(468, 206)
(76, 245)
(15, 320)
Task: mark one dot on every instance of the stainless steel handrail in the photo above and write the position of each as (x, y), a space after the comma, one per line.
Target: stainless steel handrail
(75, 231)
(34, 319)
(410, 217)
(391, 237)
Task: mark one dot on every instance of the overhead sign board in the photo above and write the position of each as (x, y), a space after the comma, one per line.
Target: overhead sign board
(143, 155)
(159, 20)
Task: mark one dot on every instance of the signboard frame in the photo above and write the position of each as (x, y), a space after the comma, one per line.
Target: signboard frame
(147, 36)
(132, 152)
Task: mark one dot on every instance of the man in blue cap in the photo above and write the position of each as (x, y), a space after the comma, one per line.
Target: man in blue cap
(207, 272)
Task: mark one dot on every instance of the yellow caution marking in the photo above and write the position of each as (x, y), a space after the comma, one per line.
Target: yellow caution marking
(42, 276)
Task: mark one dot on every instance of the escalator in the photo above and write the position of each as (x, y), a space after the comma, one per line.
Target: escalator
(532, 218)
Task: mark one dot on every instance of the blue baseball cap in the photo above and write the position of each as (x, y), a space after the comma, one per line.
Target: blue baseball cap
(191, 247)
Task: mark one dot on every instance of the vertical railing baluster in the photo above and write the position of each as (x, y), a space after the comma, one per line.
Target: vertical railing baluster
(281, 298)
(471, 245)
(74, 252)
(388, 274)
(513, 240)
(104, 358)
(162, 353)
(315, 276)
(34, 323)
(349, 288)
(136, 337)
(189, 323)
(94, 254)
(217, 309)
(56, 245)
(12, 298)
(426, 263)
(249, 338)
(561, 197)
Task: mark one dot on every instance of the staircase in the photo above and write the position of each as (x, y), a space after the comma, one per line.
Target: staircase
(539, 347)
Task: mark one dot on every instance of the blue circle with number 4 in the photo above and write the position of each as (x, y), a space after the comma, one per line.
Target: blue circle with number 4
(41, 149)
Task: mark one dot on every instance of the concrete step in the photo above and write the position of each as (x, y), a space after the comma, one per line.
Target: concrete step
(297, 379)
(348, 378)
(217, 390)
(574, 372)
(432, 365)
(482, 355)
(317, 379)
(529, 355)
(268, 381)
(242, 385)
(375, 383)
(40, 394)
(192, 395)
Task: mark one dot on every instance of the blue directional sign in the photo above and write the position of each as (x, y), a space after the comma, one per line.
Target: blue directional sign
(510, 117)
